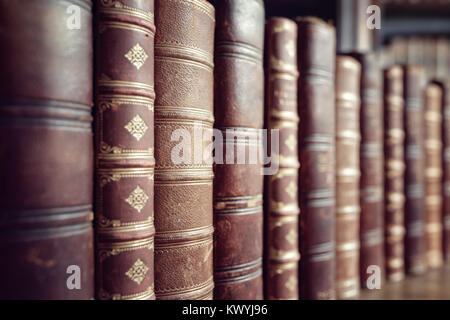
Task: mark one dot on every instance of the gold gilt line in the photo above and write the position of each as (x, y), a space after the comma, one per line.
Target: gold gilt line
(115, 6)
(108, 152)
(106, 225)
(184, 61)
(105, 81)
(107, 250)
(105, 295)
(276, 222)
(107, 101)
(123, 25)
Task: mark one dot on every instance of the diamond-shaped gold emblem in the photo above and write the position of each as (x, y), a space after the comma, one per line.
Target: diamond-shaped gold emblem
(137, 271)
(291, 237)
(291, 142)
(137, 56)
(137, 199)
(291, 283)
(137, 127)
(291, 189)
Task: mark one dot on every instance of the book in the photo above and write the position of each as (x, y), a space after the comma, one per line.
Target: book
(348, 75)
(46, 153)
(414, 81)
(238, 185)
(433, 175)
(316, 63)
(124, 149)
(394, 172)
(183, 135)
(446, 167)
(372, 168)
(281, 196)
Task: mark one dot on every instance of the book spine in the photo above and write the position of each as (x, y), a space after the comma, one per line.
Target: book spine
(124, 150)
(348, 73)
(238, 185)
(316, 62)
(433, 175)
(446, 168)
(394, 172)
(183, 170)
(46, 153)
(372, 168)
(414, 174)
(281, 196)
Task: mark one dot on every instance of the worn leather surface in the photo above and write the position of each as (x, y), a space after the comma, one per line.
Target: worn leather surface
(446, 166)
(372, 167)
(394, 172)
(433, 175)
(46, 150)
(348, 74)
(415, 170)
(238, 188)
(316, 103)
(184, 46)
(124, 149)
(281, 189)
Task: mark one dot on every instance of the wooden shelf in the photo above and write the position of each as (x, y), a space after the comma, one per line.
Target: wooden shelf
(434, 285)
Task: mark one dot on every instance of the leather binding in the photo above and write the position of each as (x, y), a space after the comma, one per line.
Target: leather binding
(316, 62)
(394, 172)
(372, 167)
(348, 74)
(433, 175)
(238, 187)
(46, 153)
(414, 174)
(125, 96)
(281, 196)
(184, 44)
(446, 167)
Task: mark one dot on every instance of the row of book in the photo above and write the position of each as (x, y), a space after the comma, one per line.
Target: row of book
(147, 210)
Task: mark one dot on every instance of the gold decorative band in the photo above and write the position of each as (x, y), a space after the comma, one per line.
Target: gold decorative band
(104, 25)
(108, 249)
(162, 57)
(179, 243)
(117, 7)
(279, 254)
(284, 115)
(184, 52)
(146, 295)
(349, 96)
(105, 225)
(105, 81)
(172, 113)
(395, 263)
(351, 211)
(347, 246)
(106, 101)
(348, 134)
(433, 116)
(433, 227)
(279, 221)
(107, 175)
(187, 236)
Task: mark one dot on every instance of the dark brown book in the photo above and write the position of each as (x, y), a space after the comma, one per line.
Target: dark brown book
(238, 185)
(394, 172)
(46, 153)
(124, 149)
(413, 79)
(348, 73)
(316, 103)
(433, 175)
(184, 44)
(446, 167)
(372, 167)
(281, 196)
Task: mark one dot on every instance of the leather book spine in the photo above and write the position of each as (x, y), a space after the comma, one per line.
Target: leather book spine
(125, 32)
(372, 168)
(446, 168)
(281, 197)
(184, 44)
(433, 175)
(46, 153)
(413, 79)
(394, 172)
(238, 185)
(316, 98)
(348, 74)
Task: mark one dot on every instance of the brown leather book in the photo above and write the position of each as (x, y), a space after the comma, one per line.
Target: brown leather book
(184, 44)
(433, 175)
(394, 172)
(446, 167)
(348, 74)
(372, 168)
(238, 185)
(281, 196)
(413, 79)
(46, 153)
(316, 103)
(124, 149)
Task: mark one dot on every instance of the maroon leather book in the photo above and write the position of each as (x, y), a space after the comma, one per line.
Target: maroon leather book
(415, 170)
(372, 167)
(281, 196)
(184, 44)
(446, 167)
(394, 171)
(125, 96)
(238, 185)
(348, 73)
(433, 175)
(46, 153)
(316, 63)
